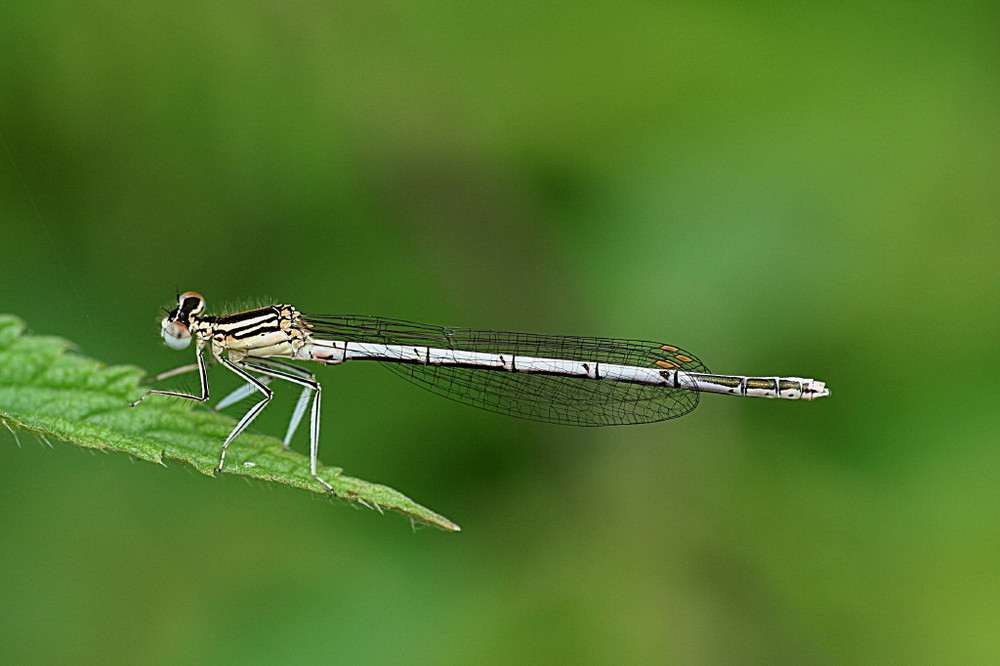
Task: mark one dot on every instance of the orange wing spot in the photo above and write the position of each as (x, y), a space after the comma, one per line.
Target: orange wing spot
(683, 359)
(669, 365)
(670, 348)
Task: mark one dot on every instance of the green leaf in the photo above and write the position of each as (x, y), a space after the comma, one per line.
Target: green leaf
(47, 389)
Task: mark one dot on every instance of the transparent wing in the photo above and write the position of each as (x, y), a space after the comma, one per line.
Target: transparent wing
(553, 399)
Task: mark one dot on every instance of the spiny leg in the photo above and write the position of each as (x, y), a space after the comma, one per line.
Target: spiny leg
(244, 391)
(184, 369)
(202, 378)
(304, 378)
(300, 407)
(279, 366)
(251, 413)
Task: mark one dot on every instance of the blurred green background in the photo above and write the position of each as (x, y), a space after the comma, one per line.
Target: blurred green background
(781, 188)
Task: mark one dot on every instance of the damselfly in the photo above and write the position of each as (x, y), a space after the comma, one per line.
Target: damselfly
(552, 378)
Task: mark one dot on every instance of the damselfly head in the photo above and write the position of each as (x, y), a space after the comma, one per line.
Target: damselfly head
(190, 303)
(176, 326)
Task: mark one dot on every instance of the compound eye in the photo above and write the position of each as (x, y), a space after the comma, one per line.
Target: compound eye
(175, 334)
(191, 302)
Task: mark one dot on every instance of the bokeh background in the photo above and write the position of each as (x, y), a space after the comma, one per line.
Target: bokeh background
(783, 188)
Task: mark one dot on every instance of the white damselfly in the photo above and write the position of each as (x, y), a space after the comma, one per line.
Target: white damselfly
(552, 378)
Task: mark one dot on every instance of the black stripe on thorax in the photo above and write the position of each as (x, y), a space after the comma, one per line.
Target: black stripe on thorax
(248, 324)
(270, 311)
